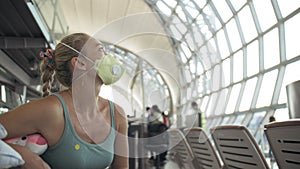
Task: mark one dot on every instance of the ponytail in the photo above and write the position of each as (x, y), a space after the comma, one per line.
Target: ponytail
(47, 68)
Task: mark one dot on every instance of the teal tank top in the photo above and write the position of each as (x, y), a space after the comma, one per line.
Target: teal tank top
(71, 152)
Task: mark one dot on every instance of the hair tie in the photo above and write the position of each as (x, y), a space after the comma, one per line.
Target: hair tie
(48, 57)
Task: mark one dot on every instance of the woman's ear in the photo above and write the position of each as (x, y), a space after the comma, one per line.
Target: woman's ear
(78, 63)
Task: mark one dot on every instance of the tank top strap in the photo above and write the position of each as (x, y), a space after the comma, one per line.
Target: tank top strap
(65, 108)
(112, 114)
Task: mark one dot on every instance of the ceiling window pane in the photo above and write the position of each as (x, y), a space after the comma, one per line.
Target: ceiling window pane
(208, 75)
(248, 94)
(223, 9)
(247, 24)
(204, 103)
(234, 36)
(221, 102)
(271, 49)
(185, 50)
(256, 119)
(226, 72)
(201, 85)
(190, 41)
(200, 3)
(179, 25)
(233, 98)
(265, 13)
(198, 35)
(282, 115)
(193, 66)
(216, 78)
(164, 8)
(187, 75)
(239, 119)
(288, 6)
(238, 66)
(182, 55)
(267, 88)
(252, 58)
(237, 4)
(205, 57)
(190, 8)
(222, 44)
(290, 76)
(175, 33)
(180, 13)
(170, 3)
(292, 36)
(212, 104)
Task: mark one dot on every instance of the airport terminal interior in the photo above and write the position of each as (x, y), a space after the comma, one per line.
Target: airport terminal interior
(215, 68)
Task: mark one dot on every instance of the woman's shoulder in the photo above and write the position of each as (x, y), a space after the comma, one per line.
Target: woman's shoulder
(119, 113)
(49, 106)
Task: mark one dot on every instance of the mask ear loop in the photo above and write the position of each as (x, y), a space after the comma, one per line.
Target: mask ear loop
(70, 47)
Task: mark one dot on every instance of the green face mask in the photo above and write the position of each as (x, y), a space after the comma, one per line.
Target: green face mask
(108, 68)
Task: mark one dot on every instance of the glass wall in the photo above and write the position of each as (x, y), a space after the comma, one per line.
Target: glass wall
(242, 52)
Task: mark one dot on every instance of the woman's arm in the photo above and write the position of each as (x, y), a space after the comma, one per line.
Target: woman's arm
(32, 160)
(121, 142)
(33, 117)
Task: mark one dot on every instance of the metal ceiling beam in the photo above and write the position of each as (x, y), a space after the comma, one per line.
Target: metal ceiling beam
(19, 42)
(10, 66)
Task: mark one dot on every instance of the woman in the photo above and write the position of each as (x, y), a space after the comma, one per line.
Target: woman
(82, 130)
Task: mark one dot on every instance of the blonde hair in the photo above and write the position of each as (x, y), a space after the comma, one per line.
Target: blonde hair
(62, 58)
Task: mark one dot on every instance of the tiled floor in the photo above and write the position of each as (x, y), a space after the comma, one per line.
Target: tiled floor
(168, 165)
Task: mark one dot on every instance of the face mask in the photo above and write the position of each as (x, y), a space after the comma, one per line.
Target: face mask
(108, 68)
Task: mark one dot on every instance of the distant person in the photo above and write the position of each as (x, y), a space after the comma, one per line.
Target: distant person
(155, 115)
(201, 115)
(165, 119)
(272, 158)
(272, 119)
(156, 127)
